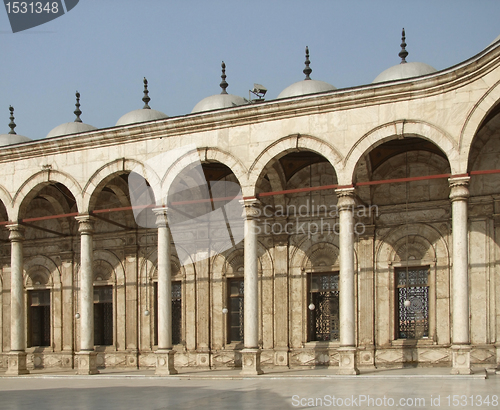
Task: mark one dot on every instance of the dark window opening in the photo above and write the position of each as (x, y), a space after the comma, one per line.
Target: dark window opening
(413, 303)
(236, 310)
(324, 324)
(39, 318)
(103, 315)
(176, 313)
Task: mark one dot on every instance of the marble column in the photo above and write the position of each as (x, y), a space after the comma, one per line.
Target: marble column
(86, 357)
(347, 302)
(164, 354)
(17, 355)
(250, 355)
(459, 194)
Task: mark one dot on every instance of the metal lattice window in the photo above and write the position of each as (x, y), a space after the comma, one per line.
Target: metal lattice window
(413, 303)
(324, 324)
(103, 315)
(236, 310)
(39, 318)
(176, 313)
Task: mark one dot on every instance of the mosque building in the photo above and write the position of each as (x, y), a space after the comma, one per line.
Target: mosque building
(352, 228)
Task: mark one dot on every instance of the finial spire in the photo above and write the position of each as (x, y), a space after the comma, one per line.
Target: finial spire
(223, 83)
(77, 112)
(403, 53)
(308, 70)
(146, 98)
(12, 124)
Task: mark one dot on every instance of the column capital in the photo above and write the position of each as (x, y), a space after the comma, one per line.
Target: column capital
(16, 232)
(346, 198)
(85, 224)
(459, 188)
(251, 208)
(161, 216)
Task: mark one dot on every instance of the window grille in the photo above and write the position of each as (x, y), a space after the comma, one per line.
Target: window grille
(413, 303)
(324, 324)
(103, 315)
(236, 310)
(176, 313)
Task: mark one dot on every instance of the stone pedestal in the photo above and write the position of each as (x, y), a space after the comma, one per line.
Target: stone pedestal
(347, 361)
(461, 359)
(281, 356)
(87, 362)
(165, 362)
(250, 362)
(16, 364)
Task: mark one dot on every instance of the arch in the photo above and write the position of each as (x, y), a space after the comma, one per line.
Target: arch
(474, 120)
(207, 154)
(40, 179)
(291, 143)
(111, 170)
(389, 247)
(44, 267)
(6, 200)
(397, 129)
(113, 261)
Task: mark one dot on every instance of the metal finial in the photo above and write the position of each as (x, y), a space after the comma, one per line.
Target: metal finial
(403, 53)
(308, 70)
(223, 83)
(77, 112)
(12, 124)
(146, 98)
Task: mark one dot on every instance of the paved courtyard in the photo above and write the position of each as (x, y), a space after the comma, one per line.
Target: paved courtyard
(399, 388)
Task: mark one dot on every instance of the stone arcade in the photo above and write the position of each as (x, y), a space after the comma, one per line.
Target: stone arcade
(414, 281)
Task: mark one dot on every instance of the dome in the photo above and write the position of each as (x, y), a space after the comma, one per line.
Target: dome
(404, 69)
(494, 41)
(144, 114)
(222, 100)
(72, 127)
(12, 138)
(306, 86)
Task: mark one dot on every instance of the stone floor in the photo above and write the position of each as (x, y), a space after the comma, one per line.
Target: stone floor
(226, 389)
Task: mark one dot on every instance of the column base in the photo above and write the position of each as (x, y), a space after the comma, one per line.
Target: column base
(250, 362)
(16, 364)
(461, 359)
(347, 361)
(165, 362)
(86, 362)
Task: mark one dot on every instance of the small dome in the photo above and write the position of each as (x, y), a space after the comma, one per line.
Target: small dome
(12, 138)
(72, 127)
(494, 41)
(306, 86)
(144, 114)
(222, 100)
(140, 115)
(404, 69)
(218, 101)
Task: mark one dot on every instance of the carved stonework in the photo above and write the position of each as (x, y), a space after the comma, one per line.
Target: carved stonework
(346, 199)
(461, 359)
(161, 216)
(165, 363)
(251, 208)
(16, 364)
(85, 224)
(87, 363)
(16, 232)
(250, 362)
(459, 188)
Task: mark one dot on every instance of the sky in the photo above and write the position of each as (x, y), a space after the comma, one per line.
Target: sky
(104, 48)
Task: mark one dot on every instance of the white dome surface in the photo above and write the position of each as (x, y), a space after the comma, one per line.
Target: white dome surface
(305, 87)
(218, 101)
(11, 139)
(494, 41)
(70, 128)
(140, 115)
(406, 70)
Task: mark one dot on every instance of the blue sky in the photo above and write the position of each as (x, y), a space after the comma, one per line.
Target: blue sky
(103, 49)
